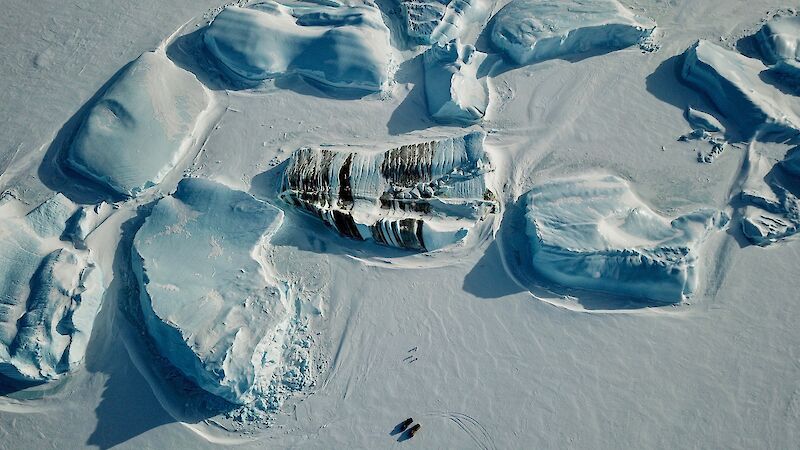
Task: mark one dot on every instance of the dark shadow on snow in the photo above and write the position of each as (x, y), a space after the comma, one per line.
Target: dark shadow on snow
(412, 113)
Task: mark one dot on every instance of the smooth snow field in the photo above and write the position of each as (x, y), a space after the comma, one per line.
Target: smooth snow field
(297, 223)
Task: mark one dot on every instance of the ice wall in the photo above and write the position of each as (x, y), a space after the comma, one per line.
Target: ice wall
(208, 295)
(592, 232)
(779, 41)
(528, 31)
(453, 90)
(338, 46)
(50, 293)
(421, 197)
(140, 127)
(438, 21)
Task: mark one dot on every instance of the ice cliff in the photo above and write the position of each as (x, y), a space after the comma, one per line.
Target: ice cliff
(593, 232)
(140, 127)
(453, 90)
(528, 31)
(338, 46)
(438, 21)
(210, 300)
(779, 41)
(50, 293)
(420, 197)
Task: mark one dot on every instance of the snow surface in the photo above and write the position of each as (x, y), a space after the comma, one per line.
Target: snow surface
(50, 294)
(339, 46)
(453, 89)
(594, 233)
(528, 31)
(140, 127)
(209, 299)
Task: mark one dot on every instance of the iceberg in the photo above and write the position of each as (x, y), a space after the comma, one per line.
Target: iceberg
(140, 127)
(337, 46)
(438, 21)
(420, 197)
(779, 41)
(50, 293)
(733, 84)
(210, 301)
(594, 233)
(528, 31)
(453, 90)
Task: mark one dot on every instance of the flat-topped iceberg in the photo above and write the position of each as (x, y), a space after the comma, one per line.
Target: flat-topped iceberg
(779, 41)
(140, 127)
(733, 84)
(438, 21)
(209, 299)
(50, 293)
(528, 31)
(338, 46)
(594, 233)
(420, 197)
(453, 90)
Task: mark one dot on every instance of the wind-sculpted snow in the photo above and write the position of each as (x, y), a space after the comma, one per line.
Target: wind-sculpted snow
(338, 46)
(438, 21)
(593, 233)
(209, 299)
(420, 197)
(733, 84)
(528, 31)
(772, 212)
(453, 90)
(50, 293)
(140, 126)
(779, 41)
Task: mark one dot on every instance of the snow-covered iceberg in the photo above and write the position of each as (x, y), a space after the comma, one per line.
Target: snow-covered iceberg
(453, 90)
(209, 298)
(438, 21)
(50, 293)
(140, 127)
(420, 197)
(594, 233)
(733, 84)
(528, 31)
(779, 41)
(338, 46)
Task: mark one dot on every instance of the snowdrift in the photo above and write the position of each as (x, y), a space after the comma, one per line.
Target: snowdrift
(50, 293)
(438, 21)
(453, 91)
(209, 300)
(779, 41)
(140, 127)
(733, 84)
(593, 233)
(420, 197)
(528, 31)
(338, 46)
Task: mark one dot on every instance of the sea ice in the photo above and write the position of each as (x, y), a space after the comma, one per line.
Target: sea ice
(733, 84)
(438, 21)
(50, 293)
(528, 31)
(338, 46)
(209, 299)
(421, 197)
(592, 232)
(140, 126)
(779, 41)
(453, 90)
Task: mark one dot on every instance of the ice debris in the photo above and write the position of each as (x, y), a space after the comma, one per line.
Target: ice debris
(779, 41)
(453, 90)
(528, 31)
(733, 84)
(338, 46)
(420, 197)
(209, 298)
(140, 127)
(438, 21)
(594, 233)
(50, 293)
